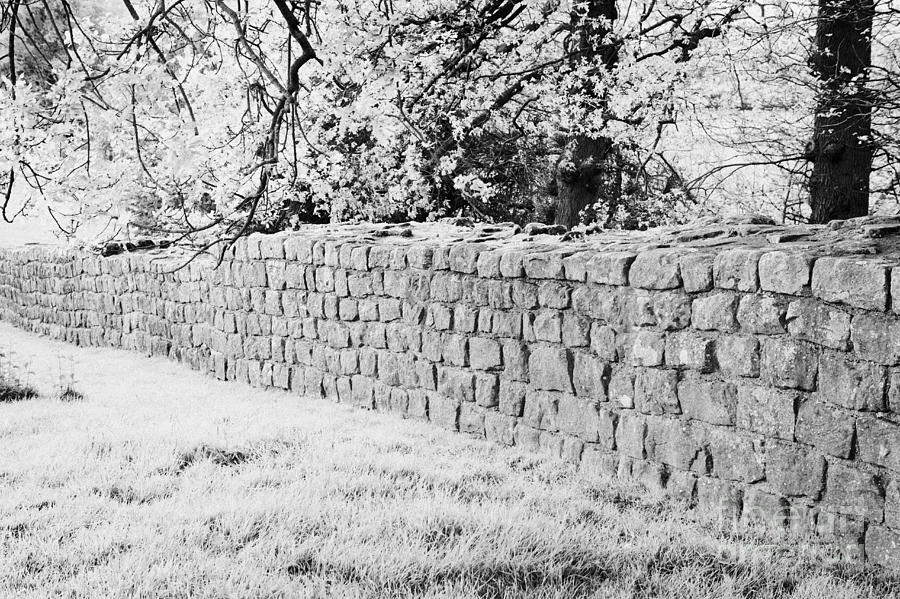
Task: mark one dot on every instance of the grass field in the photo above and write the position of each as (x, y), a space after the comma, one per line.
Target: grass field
(163, 483)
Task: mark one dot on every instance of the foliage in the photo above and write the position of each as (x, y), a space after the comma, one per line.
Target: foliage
(208, 117)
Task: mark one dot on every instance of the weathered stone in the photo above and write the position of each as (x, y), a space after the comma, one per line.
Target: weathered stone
(444, 411)
(851, 281)
(853, 491)
(876, 338)
(456, 384)
(719, 497)
(487, 390)
(714, 402)
(484, 354)
(630, 434)
(590, 376)
(763, 507)
(655, 269)
(553, 295)
(586, 420)
(499, 428)
(825, 427)
(696, 272)
(687, 349)
(879, 442)
(892, 504)
(784, 272)
(766, 411)
(549, 368)
(603, 342)
(547, 326)
(794, 470)
(812, 321)
(512, 397)
(733, 455)
(541, 410)
(671, 309)
(852, 385)
(471, 419)
(643, 348)
(714, 312)
(575, 330)
(738, 355)
(671, 442)
(546, 265)
(609, 268)
(763, 315)
(789, 364)
(515, 360)
(737, 269)
(655, 391)
(883, 547)
(621, 387)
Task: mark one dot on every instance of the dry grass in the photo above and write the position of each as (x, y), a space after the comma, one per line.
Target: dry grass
(162, 483)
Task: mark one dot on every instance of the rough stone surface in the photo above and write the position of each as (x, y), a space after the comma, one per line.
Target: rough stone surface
(746, 368)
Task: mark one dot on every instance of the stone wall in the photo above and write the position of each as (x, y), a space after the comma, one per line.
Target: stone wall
(750, 369)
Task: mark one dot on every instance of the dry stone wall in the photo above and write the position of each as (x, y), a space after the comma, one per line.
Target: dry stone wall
(750, 369)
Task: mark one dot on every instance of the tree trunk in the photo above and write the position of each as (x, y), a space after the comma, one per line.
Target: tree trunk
(579, 169)
(841, 148)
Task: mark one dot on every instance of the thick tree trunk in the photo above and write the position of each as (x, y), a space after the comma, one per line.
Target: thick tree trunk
(579, 169)
(841, 148)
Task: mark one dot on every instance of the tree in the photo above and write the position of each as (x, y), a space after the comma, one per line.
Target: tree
(841, 150)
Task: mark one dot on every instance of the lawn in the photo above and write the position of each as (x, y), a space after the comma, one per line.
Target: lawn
(163, 483)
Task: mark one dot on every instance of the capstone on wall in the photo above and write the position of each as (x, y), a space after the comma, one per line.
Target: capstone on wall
(749, 369)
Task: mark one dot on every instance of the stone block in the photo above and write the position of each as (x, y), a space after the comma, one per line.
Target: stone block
(763, 507)
(455, 349)
(883, 547)
(655, 391)
(515, 360)
(696, 272)
(547, 326)
(788, 364)
(444, 411)
(488, 265)
(813, 321)
(471, 419)
(575, 330)
(484, 354)
(851, 281)
(655, 269)
(738, 355)
(711, 401)
(851, 384)
(762, 314)
(715, 312)
(721, 498)
(549, 368)
(456, 383)
(545, 265)
(878, 441)
(512, 397)
(854, 491)
(671, 310)
(609, 268)
(671, 442)
(876, 338)
(643, 348)
(621, 387)
(487, 390)
(731, 455)
(603, 342)
(590, 376)
(553, 295)
(795, 470)
(737, 269)
(630, 434)
(499, 428)
(511, 264)
(766, 411)
(686, 349)
(892, 504)
(827, 428)
(586, 420)
(784, 272)
(527, 438)
(541, 410)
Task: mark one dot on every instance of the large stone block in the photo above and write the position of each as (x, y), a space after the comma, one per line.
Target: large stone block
(737, 269)
(549, 368)
(879, 442)
(876, 338)
(643, 348)
(766, 411)
(512, 397)
(784, 272)
(541, 410)
(672, 442)
(851, 281)
(609, 268)
(715, 312)
(590, 376)
(630, 434)
(789, 364)
(827, 428)
(585, 419)
(738, 355)
(852, 490)
(714, 402)
(655, 391)
(813, 321)
(733, 455)
(545, 265)
(655, 269)
(696, 271)
(762, 314)
(499, 428)
(883, 547)
(456, 383)
(795, 470)
(851, 384)
(686, 349)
